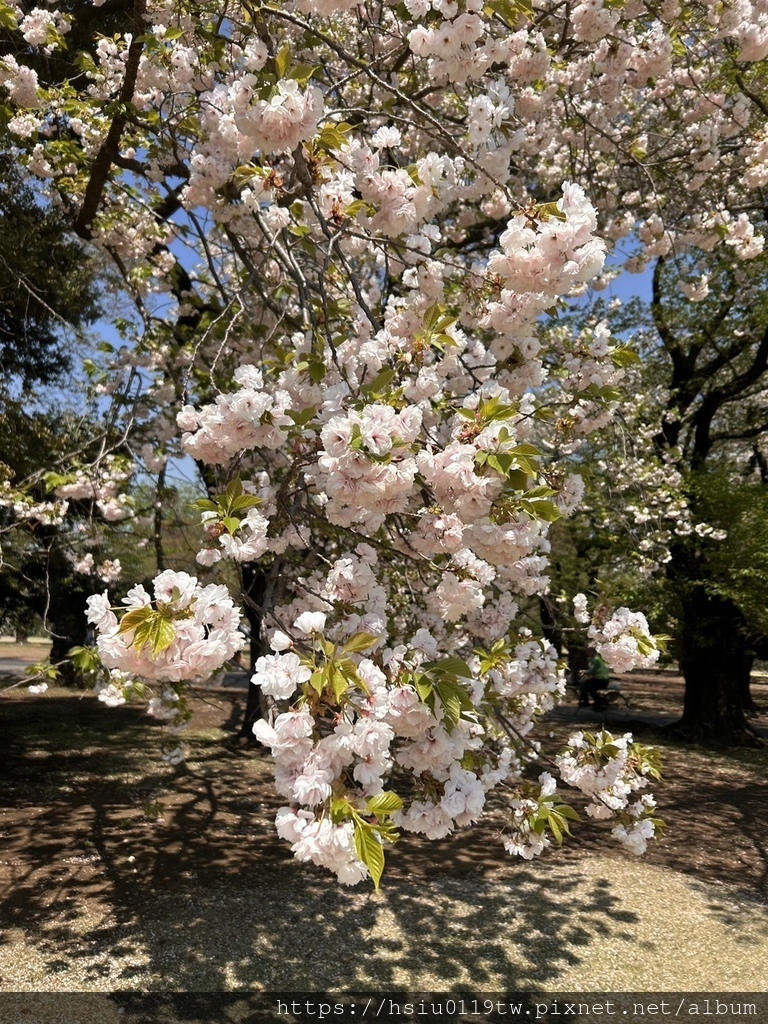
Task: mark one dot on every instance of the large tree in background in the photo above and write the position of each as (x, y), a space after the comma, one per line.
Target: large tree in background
(713, 425)
(677, 483)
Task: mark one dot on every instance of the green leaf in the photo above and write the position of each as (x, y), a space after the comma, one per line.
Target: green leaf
(53, 480)
(356, 206)
(381, 381)
(317, 371)
(302, 73)
(303, 417)
(234, 490)
(162, 635)
(231, 524)
(134, 618)
(283, 62)
(356, 440)
(86, 659)
(432, 316)
(624, 357)
(605, 394)
(341, 809)
(423, 686)
(566, 811)
(339, 682)
(349, 669)
(556, 819)
(539, 492)
(541, 509)
(360, 642)
(369, 850)
(333, 135)
(383, 804)
(317, 681)
(455, 700)
(550, 211)
(453, 666)
(509, 10)
(204, 505)
(518, 479)
(245, 501)
(492, 410)
(42, 668)
(501, 462)
(149, 627)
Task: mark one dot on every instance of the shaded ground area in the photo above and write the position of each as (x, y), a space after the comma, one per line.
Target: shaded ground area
(121, 872)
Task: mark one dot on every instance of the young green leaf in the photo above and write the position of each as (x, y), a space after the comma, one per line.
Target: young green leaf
(383, 804)
(453, 666)
(369, 850)
(359, 642)
(455, 700)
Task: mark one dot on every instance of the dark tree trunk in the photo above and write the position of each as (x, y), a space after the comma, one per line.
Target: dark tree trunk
(549, 624)
(254, 585)
(68, 626)
(715, 661)
(65, 611)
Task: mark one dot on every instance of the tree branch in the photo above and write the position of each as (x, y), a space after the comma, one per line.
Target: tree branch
(109, 150)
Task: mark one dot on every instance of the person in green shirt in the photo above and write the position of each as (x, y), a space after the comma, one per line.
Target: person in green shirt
(595, 679)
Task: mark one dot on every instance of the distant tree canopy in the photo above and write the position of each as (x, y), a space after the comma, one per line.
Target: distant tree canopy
(675, 519)
(46, 283)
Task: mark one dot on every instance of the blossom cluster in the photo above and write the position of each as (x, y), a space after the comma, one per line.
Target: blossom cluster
(609, 771)
(25, 508)
(185, 632)
(622, 637)
(108, 571)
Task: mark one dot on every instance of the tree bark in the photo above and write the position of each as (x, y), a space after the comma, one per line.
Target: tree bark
(550, 627)
(68, 625)
(715, 661)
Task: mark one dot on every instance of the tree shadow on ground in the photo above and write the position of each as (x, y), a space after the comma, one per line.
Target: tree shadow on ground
(124, 874)
(121, 872)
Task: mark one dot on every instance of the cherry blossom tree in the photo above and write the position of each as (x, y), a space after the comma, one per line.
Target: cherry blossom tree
(346, 229)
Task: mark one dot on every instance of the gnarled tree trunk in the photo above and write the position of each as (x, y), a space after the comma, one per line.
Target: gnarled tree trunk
(715, 661)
